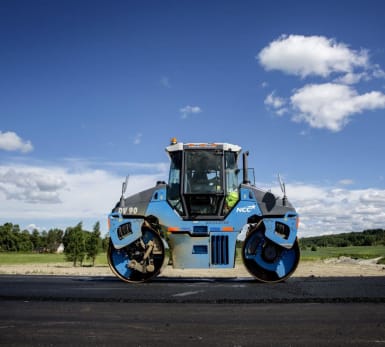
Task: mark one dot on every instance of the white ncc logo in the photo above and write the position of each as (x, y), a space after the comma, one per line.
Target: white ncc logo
(245, 209)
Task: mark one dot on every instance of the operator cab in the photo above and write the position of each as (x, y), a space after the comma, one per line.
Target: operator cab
(203, 181)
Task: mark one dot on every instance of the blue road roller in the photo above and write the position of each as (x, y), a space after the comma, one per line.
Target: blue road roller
(209, 208)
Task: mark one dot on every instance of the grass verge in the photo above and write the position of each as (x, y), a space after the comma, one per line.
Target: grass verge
(361, 252)
(14, 258)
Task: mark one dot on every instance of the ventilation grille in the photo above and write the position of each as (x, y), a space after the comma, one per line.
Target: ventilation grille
(219, 250)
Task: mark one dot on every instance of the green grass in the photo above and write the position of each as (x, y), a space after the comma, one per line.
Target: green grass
(14, 258)
(363, 252)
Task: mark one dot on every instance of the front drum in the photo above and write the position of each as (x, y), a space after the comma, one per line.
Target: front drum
(141, 260)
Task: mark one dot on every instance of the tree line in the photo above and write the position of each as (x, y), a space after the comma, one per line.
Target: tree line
(371, 237)
(78, 244)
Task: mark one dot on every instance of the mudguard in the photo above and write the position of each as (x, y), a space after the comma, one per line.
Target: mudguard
(124, 231)
(288, 224)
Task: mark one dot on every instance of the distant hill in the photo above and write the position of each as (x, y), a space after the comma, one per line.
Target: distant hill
(370, 237)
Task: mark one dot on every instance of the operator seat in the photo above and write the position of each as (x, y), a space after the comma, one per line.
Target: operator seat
(199, 182)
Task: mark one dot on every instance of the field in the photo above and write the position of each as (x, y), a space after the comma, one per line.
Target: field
(355, 252)
(44, 258)
(324, 262)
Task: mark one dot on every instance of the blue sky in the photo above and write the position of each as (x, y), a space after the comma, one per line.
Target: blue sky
(93, 90)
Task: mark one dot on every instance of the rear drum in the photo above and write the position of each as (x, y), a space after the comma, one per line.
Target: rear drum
(267, 261)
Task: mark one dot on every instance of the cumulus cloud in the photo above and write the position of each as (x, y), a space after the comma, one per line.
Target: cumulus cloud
(189, 110)
(352, 78)
(377, 72)
(331, 210)
(276, 103)
(10, 141)
(33, 195)
(331, 105)
(311, 55)
(31, 185)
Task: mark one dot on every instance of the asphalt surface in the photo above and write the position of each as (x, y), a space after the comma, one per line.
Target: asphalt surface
(103, 311)
(193, 290)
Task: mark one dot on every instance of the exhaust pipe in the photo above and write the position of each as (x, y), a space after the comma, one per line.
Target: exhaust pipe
(245, 168)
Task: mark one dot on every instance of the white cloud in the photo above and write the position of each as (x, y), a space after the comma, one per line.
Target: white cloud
(32, 227)
(138, 138)
(346, 182)
(330, 210)
(378, 72)
(10, 141)
(352, 78)
(32, 185)
(46, 195)
(189, 110)
(331, 105)
(373, 197)
(311, 55)
(276, 103)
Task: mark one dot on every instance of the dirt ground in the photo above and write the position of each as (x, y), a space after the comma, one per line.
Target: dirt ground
(335, 267)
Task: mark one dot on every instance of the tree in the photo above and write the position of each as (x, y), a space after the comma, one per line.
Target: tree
(93, 243)
(74, 244)
(36, 240)
(44, 239)
(54, 239)
(24, 243)
(9, 237)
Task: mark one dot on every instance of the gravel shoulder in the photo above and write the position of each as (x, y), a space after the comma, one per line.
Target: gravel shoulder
(334, 267)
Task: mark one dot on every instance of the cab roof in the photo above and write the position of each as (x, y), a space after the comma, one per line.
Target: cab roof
(179, 146)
